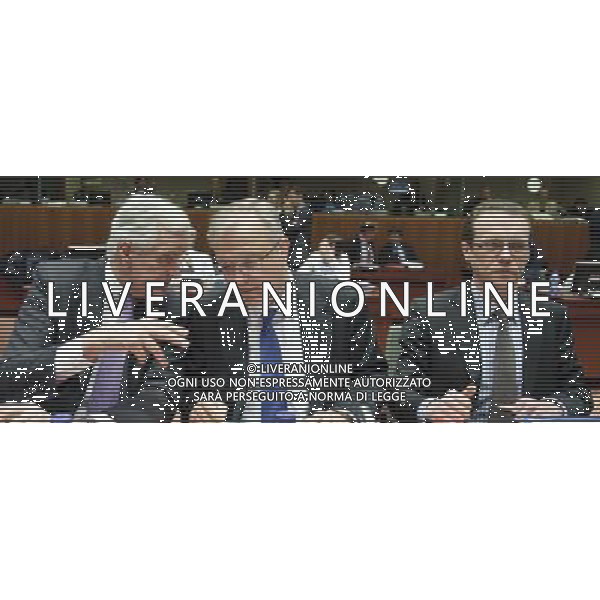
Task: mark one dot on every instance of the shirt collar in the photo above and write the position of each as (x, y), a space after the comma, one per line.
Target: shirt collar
(110, 276)
(256, 311)
(478, 303)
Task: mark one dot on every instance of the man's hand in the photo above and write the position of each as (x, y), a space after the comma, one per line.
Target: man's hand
(208, 412)
(452, 407)
(23, 412)
(525, 408)
(140, 338)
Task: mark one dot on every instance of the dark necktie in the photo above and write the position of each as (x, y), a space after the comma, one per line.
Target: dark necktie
(505, 388)
(108, 374)
(270, 353)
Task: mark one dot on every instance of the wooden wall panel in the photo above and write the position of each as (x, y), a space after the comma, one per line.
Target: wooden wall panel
(436, 240)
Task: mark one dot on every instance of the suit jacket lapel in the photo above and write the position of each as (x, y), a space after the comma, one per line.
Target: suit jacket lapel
(316, 332)
(75, 323)
(532, 338)
(233, 339)
(465, 333)
(95, 275)
(532, 326)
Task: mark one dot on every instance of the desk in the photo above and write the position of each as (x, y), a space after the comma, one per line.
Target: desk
(584, 314)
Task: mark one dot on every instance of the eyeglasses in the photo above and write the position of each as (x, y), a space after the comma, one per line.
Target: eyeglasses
(499, 246)
(246, 265)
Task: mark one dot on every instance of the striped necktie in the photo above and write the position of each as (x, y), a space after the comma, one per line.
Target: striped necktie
(505, 387)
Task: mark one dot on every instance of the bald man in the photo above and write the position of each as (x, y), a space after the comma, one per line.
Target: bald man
(250, 248)
(492, 367)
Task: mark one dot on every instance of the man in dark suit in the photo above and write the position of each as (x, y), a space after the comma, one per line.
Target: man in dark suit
(82, 359)
(494, 367)
(296, 222)
(90, 365)
(396, 251)
(361, 250)
(250, 249)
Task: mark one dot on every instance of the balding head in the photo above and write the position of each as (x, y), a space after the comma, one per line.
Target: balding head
(252, 225)
(248, 244)
(496, 241)
(148, 238)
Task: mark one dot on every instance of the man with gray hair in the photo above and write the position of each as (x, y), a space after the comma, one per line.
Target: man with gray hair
(78, 348)
(256, 332)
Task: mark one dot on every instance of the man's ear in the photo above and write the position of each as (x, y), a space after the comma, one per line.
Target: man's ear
(467, 251)
(285, 245)
(124, 250)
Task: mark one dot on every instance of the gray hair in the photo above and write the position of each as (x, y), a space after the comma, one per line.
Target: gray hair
(489, 209)
(142, 219)
(252, 214)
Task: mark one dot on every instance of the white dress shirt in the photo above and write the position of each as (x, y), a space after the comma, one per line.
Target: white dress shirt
(487, 331)
(367, 254)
